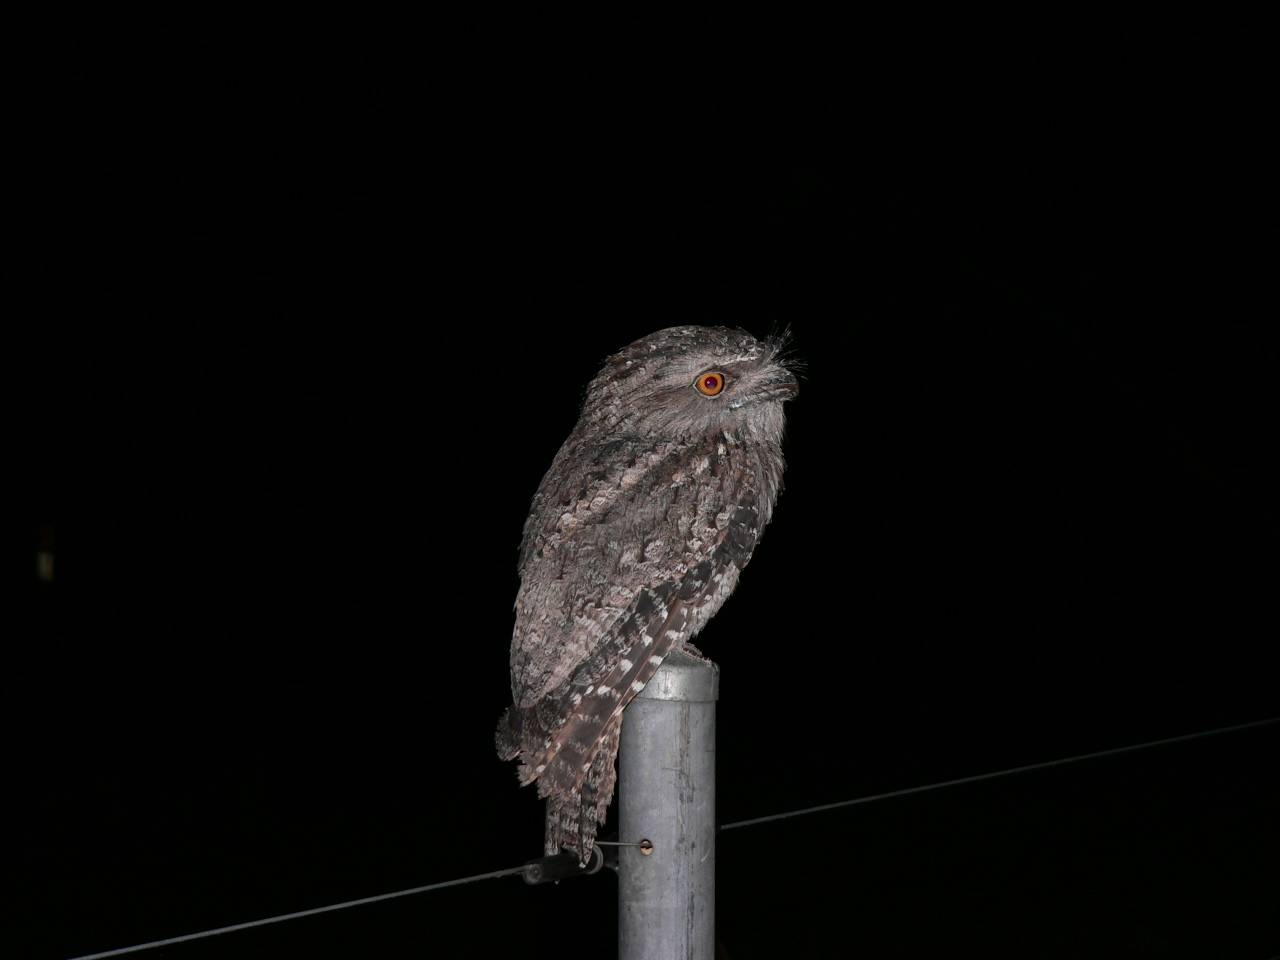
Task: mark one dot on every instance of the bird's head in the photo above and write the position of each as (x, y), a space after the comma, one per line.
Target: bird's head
(691, 380)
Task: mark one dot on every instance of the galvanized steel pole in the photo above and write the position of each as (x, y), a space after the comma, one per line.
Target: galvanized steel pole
(667, 795)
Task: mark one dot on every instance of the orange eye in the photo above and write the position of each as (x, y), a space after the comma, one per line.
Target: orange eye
(709, 384)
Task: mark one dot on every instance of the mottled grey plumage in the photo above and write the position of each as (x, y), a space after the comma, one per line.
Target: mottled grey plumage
(635, 538)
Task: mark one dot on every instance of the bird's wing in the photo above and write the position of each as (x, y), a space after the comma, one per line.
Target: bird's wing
(626, 519)
(664, 614)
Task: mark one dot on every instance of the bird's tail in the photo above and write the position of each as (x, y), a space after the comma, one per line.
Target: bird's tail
(573, 817)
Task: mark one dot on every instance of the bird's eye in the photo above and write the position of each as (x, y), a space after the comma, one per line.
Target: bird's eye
(710, 384)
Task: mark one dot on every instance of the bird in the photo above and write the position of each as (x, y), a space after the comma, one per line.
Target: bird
(636, 536)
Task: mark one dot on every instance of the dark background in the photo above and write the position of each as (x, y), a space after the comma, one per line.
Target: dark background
(293, 376)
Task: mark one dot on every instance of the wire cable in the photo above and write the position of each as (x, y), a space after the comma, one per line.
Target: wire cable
(301, 913)
(512, 871)
(998, 773)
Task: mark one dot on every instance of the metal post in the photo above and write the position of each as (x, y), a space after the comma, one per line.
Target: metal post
(667, 795)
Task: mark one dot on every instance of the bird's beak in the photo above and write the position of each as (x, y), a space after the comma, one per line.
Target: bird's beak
(783, 385)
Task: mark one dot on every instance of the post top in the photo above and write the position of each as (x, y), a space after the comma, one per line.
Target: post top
(682, 677)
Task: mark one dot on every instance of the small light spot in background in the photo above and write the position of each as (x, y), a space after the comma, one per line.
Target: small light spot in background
(44, 553)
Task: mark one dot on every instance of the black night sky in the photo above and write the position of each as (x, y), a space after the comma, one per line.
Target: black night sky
(293, 379)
